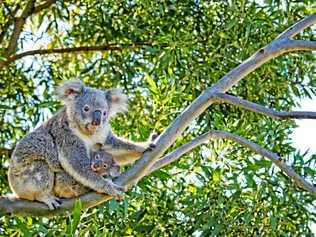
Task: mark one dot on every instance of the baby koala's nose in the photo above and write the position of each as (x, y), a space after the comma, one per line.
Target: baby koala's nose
(95, 167)
(96, 118)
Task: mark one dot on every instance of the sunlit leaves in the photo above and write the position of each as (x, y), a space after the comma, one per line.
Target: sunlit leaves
(221, 189)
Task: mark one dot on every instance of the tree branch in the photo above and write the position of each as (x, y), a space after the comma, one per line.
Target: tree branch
(272, 50)
(20, 21)
(8, 23)
(289, 46)
(298, 27)
(233, 100)
(111, 46)
(18, 26)
(301, 182)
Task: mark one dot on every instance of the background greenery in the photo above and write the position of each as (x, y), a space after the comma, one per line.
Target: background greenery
(180, 48)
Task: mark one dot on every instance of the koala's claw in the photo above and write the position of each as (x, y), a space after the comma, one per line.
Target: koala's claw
(154, 136)
(51, 201)
(151, 147)
(58, 201)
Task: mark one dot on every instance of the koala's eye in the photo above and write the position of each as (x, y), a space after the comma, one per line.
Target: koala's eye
(86, 108)
(97, 157)
(104, 113)
(105, 166)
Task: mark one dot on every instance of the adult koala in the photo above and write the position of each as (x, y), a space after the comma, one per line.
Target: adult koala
(53, 161)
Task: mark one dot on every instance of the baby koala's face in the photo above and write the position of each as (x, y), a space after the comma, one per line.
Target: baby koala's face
(103, 164)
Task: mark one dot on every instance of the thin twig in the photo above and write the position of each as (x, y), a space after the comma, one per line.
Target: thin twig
(8, 23)
(43, 6)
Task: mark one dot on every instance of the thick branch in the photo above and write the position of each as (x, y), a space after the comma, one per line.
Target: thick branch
(272, 50)
(301, 182)
(230, 99)
(28, 208)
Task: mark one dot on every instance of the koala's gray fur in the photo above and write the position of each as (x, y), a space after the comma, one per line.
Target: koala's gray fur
(53, 161)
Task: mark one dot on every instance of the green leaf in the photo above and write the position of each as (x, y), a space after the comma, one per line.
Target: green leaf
(23, 228)
(152, 85)
(76, 214)
(216, 175)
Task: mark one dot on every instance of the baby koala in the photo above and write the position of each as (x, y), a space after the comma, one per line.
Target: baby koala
(103, 163)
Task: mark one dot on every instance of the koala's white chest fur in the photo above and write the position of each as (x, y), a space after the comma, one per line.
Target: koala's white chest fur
(98, 137)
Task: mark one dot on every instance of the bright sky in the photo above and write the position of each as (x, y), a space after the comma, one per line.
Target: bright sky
(304, 136)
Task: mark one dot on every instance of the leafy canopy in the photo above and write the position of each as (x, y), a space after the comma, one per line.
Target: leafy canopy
(166, 53)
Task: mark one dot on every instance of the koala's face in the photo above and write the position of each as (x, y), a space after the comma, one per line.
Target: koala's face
(88, 108)
(103, 164)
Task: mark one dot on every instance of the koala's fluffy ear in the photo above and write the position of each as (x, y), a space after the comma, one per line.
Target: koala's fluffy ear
(117, 101)
(69, 89)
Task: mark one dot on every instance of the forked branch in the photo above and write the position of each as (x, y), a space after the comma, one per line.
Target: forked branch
(208, 97)
(19, 23)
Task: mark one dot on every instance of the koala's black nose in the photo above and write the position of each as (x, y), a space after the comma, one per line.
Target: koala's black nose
(96, 118)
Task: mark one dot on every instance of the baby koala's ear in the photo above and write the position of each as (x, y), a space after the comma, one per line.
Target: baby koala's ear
(117, 101)
(69, 89)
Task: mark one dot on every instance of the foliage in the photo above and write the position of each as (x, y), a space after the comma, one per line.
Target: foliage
(170, 51)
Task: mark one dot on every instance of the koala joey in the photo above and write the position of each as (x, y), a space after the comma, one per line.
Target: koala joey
(103, 163)
(53, 157)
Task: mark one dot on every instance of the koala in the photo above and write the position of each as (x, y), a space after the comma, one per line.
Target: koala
(100, 162)
(53, 160)
(103, 163)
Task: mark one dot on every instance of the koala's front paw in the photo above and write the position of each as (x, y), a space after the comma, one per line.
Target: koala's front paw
(151, 147)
